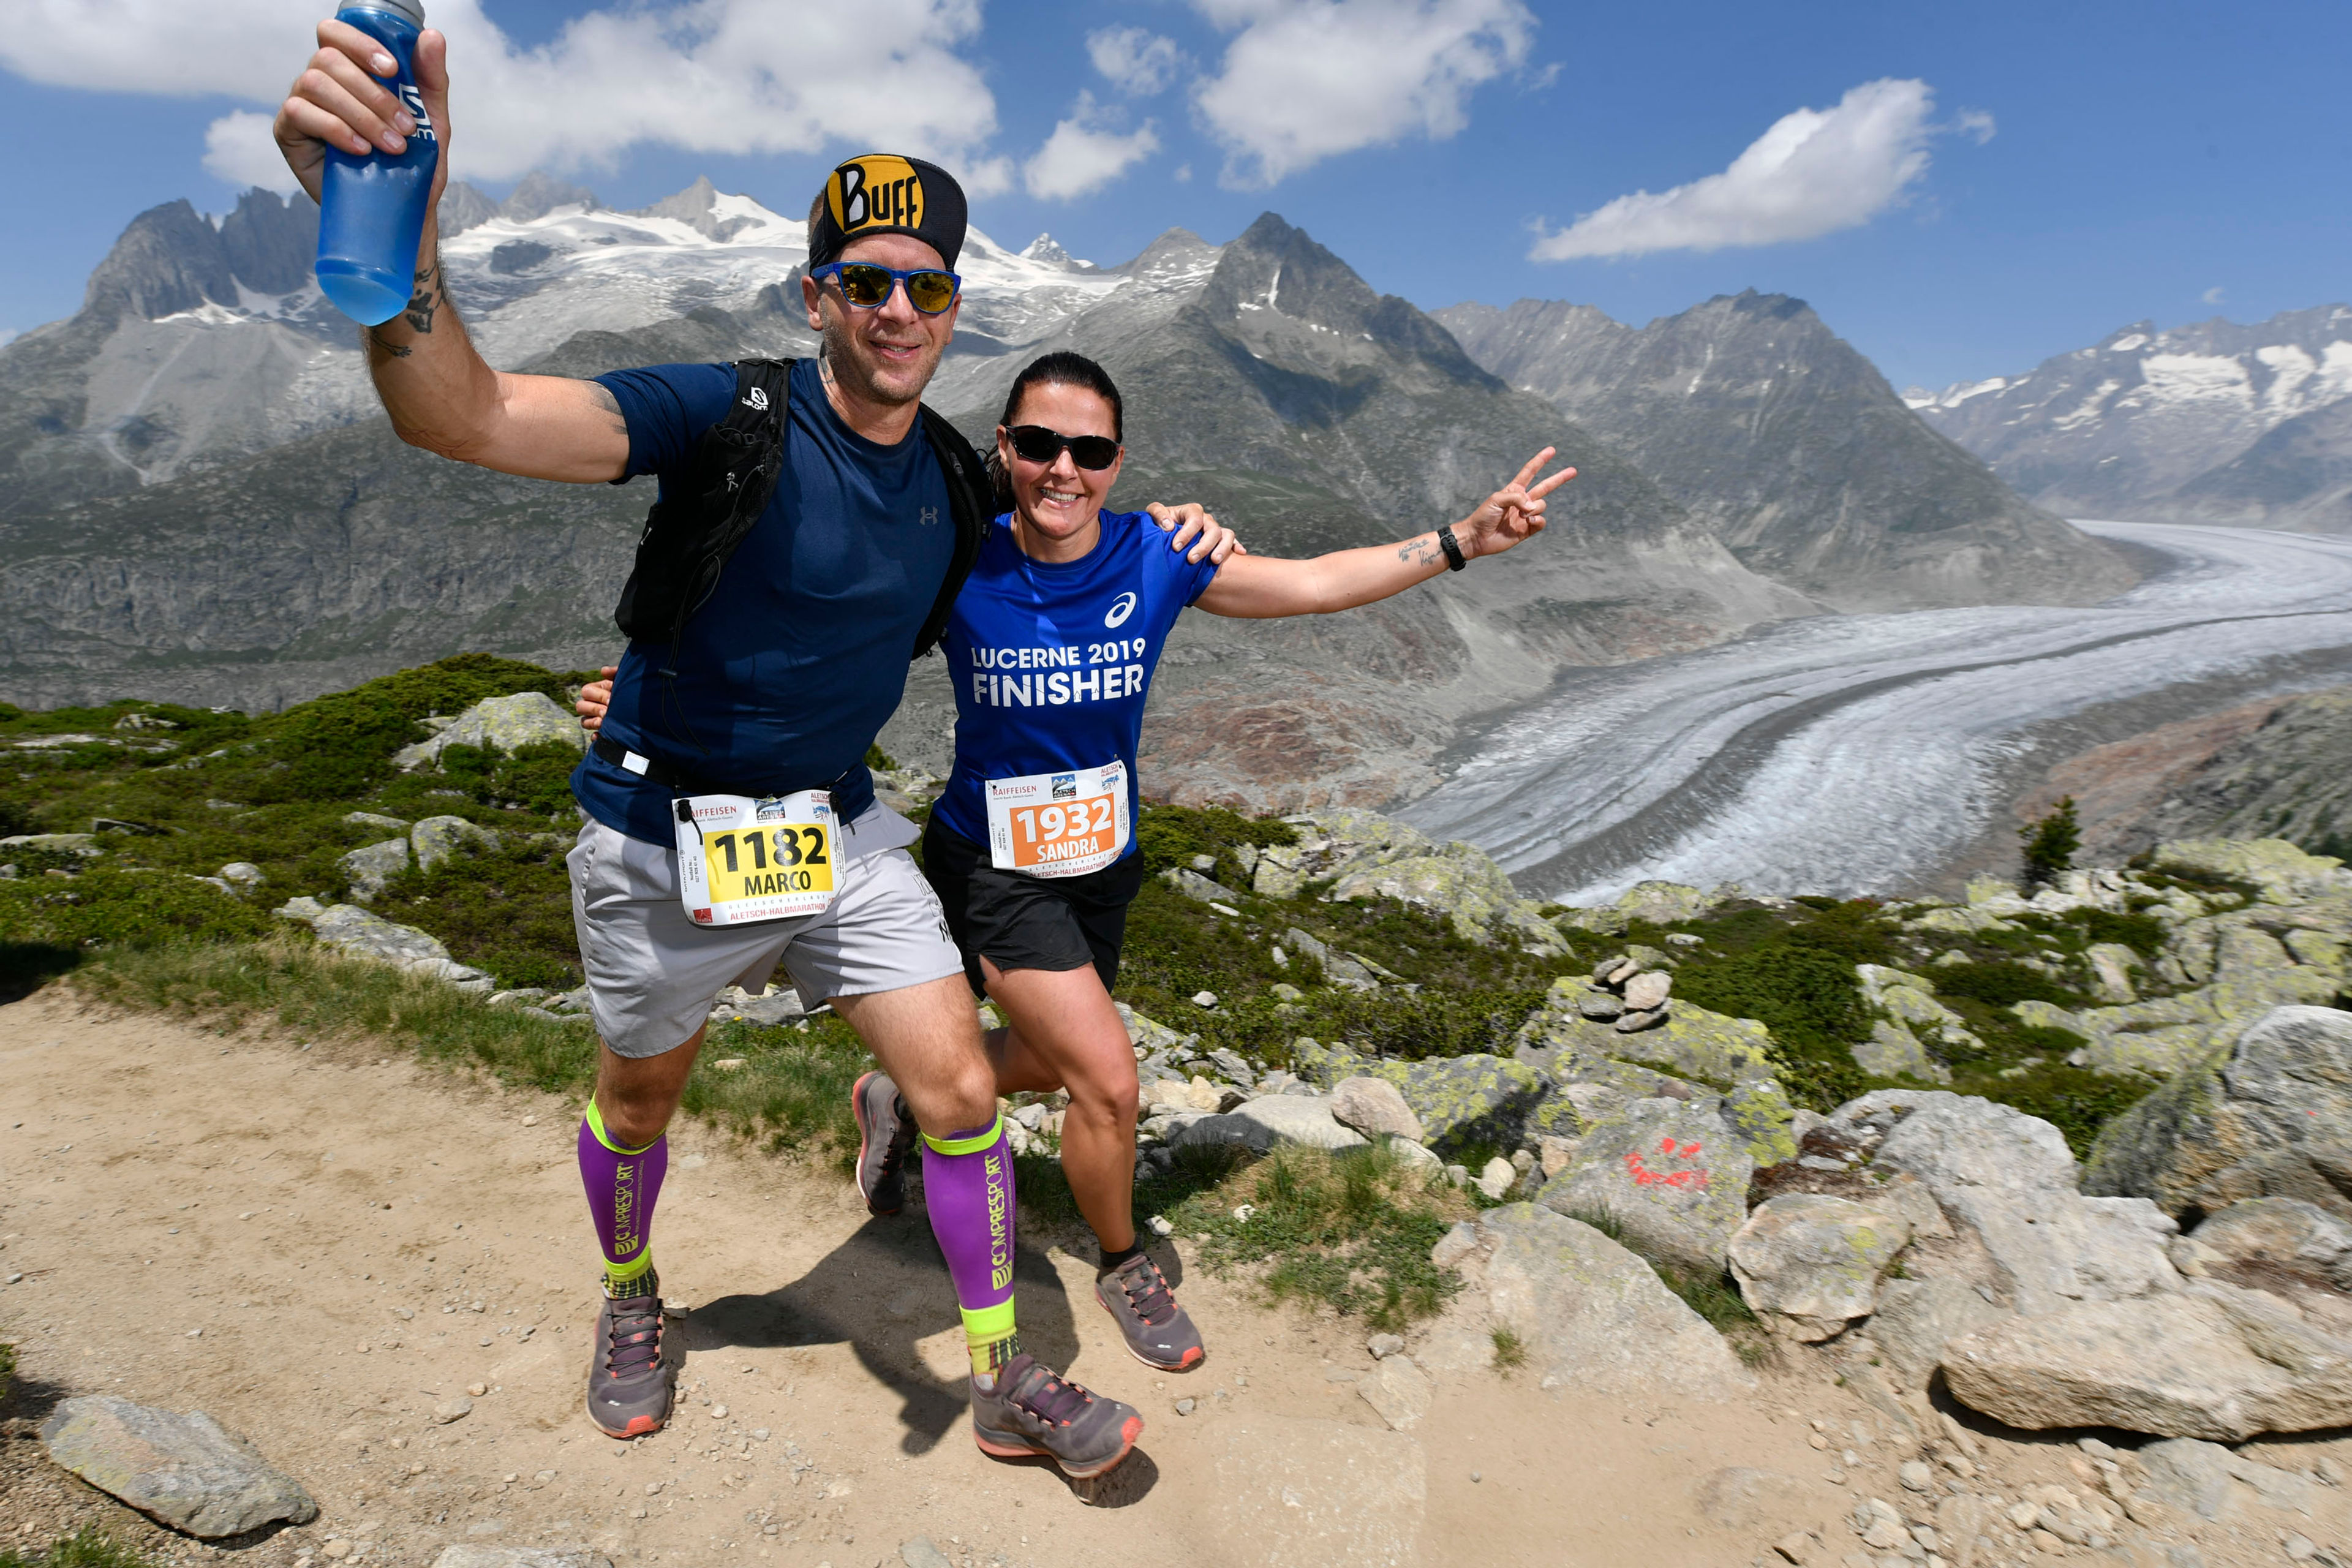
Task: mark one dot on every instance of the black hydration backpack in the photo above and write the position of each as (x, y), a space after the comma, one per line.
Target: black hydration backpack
(689, 536)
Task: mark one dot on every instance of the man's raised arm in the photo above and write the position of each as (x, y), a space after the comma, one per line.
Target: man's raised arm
(442, 395)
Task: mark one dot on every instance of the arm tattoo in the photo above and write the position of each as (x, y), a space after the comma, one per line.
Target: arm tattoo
(1420, 551)
(426, 303)
(428, 299)
(602, 397)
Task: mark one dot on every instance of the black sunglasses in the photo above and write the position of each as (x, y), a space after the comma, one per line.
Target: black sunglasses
(1036, 444)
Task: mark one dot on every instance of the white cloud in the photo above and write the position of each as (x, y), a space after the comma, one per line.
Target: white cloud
(239, 151)
(1974, 122)
(1306, 80)
(709, 76)
(2211, 296)
(1813, 172)
(1083, 154)
(1135, 61)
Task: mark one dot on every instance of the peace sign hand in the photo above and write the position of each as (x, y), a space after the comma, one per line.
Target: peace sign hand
(1513, 514)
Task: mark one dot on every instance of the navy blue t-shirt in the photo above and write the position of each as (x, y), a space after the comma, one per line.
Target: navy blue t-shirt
(1052, 660)
(792, 668)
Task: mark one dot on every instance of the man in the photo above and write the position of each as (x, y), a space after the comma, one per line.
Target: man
(768, 695)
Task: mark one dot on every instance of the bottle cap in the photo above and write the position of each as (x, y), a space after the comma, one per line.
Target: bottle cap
(410, 11)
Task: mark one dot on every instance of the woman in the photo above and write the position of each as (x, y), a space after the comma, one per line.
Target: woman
(1031, 847)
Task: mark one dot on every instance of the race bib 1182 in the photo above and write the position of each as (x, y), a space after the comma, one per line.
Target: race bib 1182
(1058, 825)
(741, 859)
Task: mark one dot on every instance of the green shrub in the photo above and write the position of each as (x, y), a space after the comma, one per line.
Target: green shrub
(508, 910)
(335, 746)
(1172, 834)
(2144, 934)
(2000, 983)
(119, 907)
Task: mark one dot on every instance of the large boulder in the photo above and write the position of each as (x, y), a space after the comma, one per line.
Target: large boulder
(1592, 1316)
(2267, 1115)
(1271, 1120)
(1669, 1174)
(2287, 1233)
(184, 1469)
(2011, 1179)
(439, 839)
(1460, 1101)
(360, 934)
(499, 724)
(2284, 873)
(2209, 1361)
(1366, 856)
(1810, 1262)
(370, 866)
(1915, 1318)
(1560, 1040)
(1373, 1106)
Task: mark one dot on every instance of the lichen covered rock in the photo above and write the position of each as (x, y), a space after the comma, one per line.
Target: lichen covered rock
(499, 724)
(2268, 1115)
(1813, 1262)
(1669, 1174)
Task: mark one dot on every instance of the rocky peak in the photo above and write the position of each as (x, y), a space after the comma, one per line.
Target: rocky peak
(1174, 256)
(541, 193)
(1042, 248)
(271, 242)
(697, 207)
(1273, 270)
(168, 261)
(463, 206)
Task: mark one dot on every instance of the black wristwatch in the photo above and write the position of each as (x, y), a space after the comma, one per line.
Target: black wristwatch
(1455, 559)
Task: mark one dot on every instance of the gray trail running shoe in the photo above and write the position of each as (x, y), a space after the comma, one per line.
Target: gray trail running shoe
(1156, 1330)
(1030, 1410)
(628, 1386)
(886, 1133)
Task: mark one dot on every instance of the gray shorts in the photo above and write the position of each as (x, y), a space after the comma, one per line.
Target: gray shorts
(653, 973)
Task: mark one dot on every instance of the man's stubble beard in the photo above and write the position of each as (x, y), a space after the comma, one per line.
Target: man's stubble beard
(855, 375)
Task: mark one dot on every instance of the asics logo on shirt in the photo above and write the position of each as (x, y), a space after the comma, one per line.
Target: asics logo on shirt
(1121, 608)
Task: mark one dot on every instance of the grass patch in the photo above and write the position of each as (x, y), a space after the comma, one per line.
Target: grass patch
(1351, 1230)
(792, 1092)
(85, 1548)
(507, 910)
(1510, 1350)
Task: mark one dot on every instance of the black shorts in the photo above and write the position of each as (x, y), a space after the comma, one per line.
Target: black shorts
(1029, 922)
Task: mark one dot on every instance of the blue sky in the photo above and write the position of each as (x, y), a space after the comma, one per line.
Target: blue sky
(2003, 182)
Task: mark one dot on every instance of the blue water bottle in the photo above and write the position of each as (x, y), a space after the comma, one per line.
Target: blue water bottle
(371, 207)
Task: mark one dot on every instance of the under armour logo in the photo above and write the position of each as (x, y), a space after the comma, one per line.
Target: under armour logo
(756, 399)
(930, 515)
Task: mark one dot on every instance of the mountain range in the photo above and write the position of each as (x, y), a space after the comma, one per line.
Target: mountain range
(2213, 422)
(202, 501)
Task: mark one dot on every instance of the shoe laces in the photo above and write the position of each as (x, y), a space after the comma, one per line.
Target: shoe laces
(1146, 1289)
(634, 1345)
(1050, 1398)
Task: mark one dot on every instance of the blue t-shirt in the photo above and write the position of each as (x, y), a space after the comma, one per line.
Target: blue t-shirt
(1052, 660)
(793, 666)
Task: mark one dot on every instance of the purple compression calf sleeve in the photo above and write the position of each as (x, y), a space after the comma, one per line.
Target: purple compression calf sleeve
(968, 1187)
(621, 1186)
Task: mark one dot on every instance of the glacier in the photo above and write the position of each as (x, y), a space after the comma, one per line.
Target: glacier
(1859, 755)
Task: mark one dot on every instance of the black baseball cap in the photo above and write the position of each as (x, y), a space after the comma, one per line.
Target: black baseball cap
(882, 192)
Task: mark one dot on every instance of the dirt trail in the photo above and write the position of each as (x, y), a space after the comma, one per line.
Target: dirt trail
(276, 1235)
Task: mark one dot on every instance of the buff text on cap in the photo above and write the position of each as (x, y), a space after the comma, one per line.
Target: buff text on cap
(882, 192)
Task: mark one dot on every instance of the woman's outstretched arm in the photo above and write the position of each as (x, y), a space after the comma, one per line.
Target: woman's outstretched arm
(1261, 587)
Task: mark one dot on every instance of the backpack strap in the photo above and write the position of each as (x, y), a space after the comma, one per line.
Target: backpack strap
(688, 538)
(972, 504)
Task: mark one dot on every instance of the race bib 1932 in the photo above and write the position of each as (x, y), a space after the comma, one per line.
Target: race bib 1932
(741, 859)
(1058, 825)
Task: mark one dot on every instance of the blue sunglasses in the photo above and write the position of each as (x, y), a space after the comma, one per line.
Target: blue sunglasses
(868, 285)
